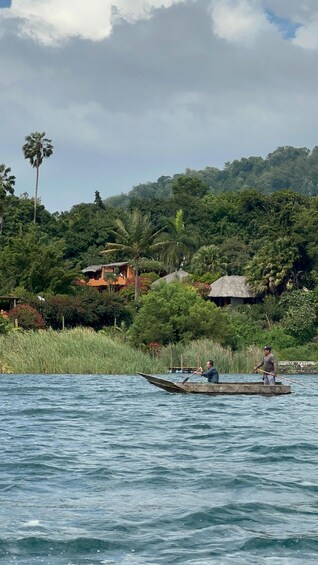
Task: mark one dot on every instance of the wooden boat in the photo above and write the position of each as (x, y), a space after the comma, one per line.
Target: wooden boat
(218, 389)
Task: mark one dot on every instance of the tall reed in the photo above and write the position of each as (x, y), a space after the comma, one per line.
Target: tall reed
(83, 351)
(196, 353)
(80, 351)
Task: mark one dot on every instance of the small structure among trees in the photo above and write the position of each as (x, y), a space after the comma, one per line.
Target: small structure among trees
(111, 275)
(176, 276)
(7, 303)
(231, 289)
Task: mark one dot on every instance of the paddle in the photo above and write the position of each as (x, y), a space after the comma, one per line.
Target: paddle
(187, 378)
(284, 378)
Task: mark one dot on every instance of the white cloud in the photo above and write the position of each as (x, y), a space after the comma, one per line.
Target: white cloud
(307, 35)
(294, 9)
(305, 14)
(51, 21)
(238, 20)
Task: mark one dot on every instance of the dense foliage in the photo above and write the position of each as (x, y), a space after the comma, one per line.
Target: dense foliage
(175, 312)
(257, 217)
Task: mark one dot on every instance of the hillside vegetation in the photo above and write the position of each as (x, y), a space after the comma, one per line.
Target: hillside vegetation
(256, 217)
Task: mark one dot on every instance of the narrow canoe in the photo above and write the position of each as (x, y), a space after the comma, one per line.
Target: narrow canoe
(220, 388)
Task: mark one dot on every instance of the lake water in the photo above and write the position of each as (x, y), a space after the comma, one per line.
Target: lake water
(110, 470)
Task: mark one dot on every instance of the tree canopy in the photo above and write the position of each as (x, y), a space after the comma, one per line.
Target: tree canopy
(257, 217)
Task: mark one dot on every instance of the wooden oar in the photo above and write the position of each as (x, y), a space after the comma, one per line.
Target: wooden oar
(280, 377)
(187, 378)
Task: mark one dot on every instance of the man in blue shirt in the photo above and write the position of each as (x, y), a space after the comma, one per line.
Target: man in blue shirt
(211, 373)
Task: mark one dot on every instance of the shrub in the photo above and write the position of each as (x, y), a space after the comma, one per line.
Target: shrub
(144, 283)
(175, 312)
(5, 325)
(202, 288)
(300, 318)
(247, 330)
(308, 352)
(277, 336)
(28, 317)
(87, 308)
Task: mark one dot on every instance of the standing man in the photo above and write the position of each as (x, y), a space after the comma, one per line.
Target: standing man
(211, 373)
(270, 366)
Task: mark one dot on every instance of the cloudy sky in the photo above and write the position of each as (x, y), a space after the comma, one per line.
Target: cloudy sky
(129, 90)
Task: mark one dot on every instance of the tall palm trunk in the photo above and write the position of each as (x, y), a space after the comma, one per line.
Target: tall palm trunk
(136, 284)
(36, 191)
(37, 148)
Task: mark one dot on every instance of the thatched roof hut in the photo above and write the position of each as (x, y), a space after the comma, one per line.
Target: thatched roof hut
(231, 290)
(171, 277)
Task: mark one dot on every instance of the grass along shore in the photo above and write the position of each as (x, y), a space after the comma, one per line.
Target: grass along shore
(83, 351)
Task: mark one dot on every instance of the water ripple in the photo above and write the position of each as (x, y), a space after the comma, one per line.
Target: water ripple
(108, 470)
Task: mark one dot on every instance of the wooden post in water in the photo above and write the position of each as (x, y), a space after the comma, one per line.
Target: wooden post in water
(181, 362)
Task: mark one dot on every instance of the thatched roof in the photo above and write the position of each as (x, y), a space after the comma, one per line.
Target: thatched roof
(172, 277)
(230, 287)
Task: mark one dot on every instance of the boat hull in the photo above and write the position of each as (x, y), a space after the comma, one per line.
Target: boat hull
(229, 388)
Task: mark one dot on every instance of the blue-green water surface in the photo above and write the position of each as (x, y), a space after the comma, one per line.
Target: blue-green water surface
(110, 470)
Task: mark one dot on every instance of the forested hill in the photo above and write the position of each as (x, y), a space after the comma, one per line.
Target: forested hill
(287, 167)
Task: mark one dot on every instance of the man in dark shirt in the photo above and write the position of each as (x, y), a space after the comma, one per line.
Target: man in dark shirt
(211, 373)
(270, 366)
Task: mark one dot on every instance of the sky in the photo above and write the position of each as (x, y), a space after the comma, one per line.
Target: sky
(130, 90)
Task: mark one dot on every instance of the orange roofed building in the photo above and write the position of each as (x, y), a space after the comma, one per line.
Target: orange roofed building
(114, 275)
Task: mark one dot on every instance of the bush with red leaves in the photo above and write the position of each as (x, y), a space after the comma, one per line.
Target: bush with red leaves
(154, 348)
(28, 317)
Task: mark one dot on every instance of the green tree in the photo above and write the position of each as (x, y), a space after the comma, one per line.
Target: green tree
(86, 308)
(175, 312)
(37, 148)
(300, 314)
(235, 253)
(177, 244)
(7, 182)
(306, 227)
(274, 268)
(98, 200)
(19, 213)
(207, 259)
(134, 238)
(85, 228)
(188, 193)
(36, 263)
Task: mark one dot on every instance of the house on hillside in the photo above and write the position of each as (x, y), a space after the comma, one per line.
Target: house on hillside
(171, 277)
(111, 275)
(231, 290)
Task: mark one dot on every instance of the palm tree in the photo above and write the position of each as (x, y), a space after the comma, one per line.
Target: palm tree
(134, 237)
(177, 244)
(275, 268)
(7, 183)
(36, 148)
(208, 259)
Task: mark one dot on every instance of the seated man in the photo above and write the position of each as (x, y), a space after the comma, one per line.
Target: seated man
(211, 373)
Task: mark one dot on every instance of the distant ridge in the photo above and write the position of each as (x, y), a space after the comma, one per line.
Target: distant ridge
(290, 168)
